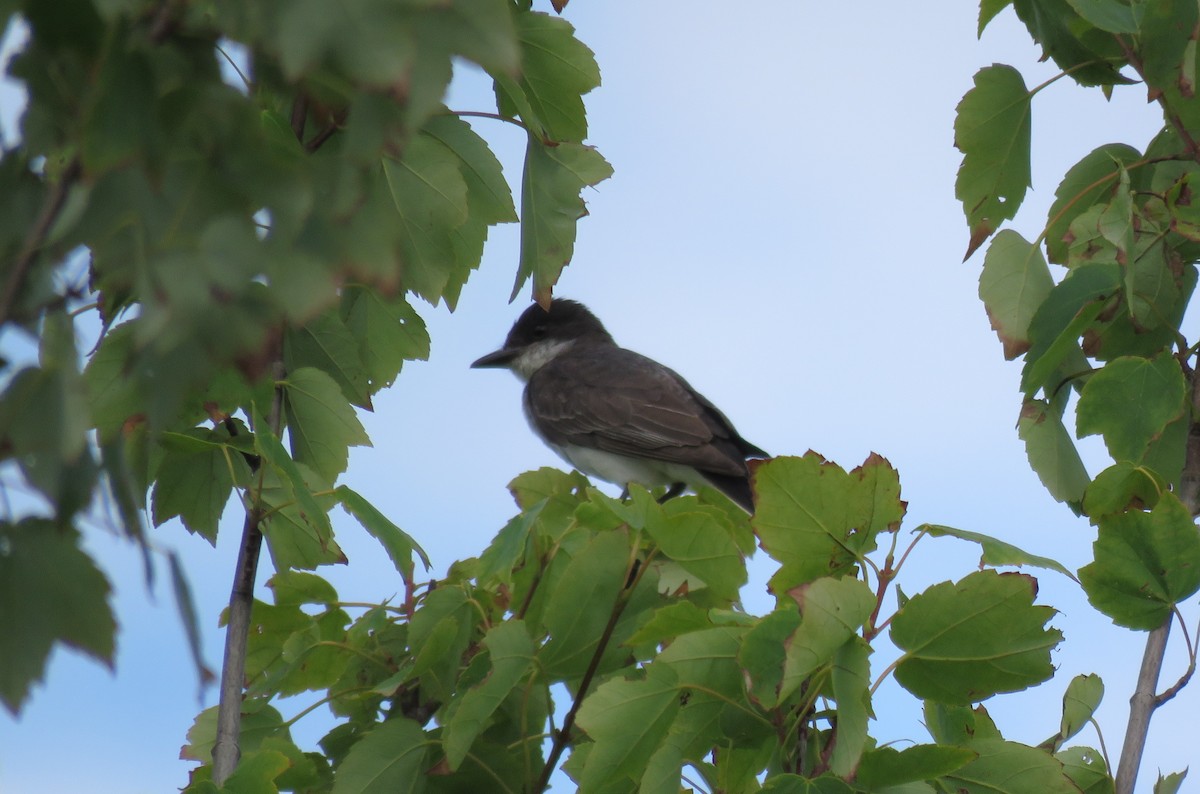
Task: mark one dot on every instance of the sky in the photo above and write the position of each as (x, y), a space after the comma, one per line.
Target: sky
(782, 230)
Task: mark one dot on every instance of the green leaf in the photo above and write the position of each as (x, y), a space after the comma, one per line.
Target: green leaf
(113, 395)
(1009, 768)
(186, 606)
(1121, 487)
(988, 9)
(256, 772)
(195, 479)
(672, 621)
(507, 550)
(1169, 784)
(788, 783)
(1130, 402)
(627, 720)
(703, 546)
(321, 423)
(886, 766)
(488, 195)
(1080, 702)
(964, 642)
(50, 592)
(958, 725)
(551, 207)
(430, 197)
(388, 332)
(1109, 15)
(817, 519)
(556, 71)
(393, 756)
(439, 634)
(1087, 770)
(398, 544)
(581, 603)
(1014, 282)
(293, 588)
(328, 345)
(996, 552)
(764, 653)
(1089, 55)
(833, 610)
(992, 131)
(1066, 313)
(1145, 564)
(851, 681)
(511, 653)
(1051, 452)
(1091, 181)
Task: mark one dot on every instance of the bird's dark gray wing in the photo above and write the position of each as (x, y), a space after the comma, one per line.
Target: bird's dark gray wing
(622, 402)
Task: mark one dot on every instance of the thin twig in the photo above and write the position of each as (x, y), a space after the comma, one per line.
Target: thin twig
(36, 238)
(241, 601)
(563, 737)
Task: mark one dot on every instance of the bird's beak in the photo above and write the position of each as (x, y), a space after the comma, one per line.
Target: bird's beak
(500, 358)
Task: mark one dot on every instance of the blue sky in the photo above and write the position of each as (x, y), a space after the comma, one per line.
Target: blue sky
(782, 230)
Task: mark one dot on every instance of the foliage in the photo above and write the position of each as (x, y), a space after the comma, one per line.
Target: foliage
(248, 250)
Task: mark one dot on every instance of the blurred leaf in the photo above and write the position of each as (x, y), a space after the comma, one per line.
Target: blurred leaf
(996, 552)
(1014, 282)
(964, 642)
(992, 131)
(551, 207)
(885, 766)
(1130, 402)
(1145, 564)
(186, 606)
(321, 424)
(393, 756)
(511, 653)
(50, 592)
(1052, 452)
(817, 519)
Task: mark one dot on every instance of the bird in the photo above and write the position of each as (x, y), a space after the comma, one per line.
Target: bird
(615, 414)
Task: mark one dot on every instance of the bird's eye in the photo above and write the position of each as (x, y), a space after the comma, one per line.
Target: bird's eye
(539, 331)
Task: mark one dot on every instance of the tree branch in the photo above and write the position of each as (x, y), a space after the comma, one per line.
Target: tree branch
(241, 601)
(36, 238)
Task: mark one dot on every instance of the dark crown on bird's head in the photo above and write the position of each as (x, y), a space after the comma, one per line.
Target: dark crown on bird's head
(567, 319)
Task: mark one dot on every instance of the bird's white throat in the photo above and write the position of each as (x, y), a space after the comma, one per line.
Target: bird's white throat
(537, 355)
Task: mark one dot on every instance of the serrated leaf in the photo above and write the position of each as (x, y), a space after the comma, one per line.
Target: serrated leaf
(964, 642)
(488, 193)
(388, 332)
(1051, 452)
(988, 9)
(992, 131)
(1109, 15)
(556, 71)
(195, 479)
(1009, 768)
(511, 654)
(1145, 564)
(1014, 282)
(1130, 402)
(321, 423)
(430, 198)
(50, 592)
(326, 343)
(833, 611)
(1088, 55)
(551, 207)
(996, 552)
(393, 756)
(398, 544)
(817, 519)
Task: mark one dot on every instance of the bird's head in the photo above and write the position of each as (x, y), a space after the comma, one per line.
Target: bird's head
(539, 335)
